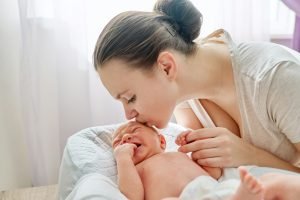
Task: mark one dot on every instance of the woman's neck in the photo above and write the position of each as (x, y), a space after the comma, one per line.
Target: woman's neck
(207, 74)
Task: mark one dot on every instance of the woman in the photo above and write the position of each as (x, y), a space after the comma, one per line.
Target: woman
(151, 62)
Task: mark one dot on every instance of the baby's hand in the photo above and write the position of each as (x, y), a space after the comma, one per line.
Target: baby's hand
(181, 138)
(125, 149)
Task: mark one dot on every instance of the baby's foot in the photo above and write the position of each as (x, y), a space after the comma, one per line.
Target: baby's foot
(250, 188)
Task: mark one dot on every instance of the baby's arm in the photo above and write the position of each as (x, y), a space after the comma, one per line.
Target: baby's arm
(129, 181)
(215, 172)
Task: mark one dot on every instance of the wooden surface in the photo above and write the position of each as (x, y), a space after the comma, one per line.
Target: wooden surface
(34, 193)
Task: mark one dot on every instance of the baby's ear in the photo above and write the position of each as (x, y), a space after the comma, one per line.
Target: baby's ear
(163, 143)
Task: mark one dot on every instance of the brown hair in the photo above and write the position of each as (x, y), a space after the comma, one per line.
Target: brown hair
(138, 37)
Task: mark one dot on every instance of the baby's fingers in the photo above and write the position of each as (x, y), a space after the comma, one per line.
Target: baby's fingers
(180, 140)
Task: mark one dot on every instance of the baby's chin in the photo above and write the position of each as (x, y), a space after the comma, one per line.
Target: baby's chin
(138, 158)
(137, 161)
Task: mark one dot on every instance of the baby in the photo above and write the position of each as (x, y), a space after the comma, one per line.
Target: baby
(146, 171)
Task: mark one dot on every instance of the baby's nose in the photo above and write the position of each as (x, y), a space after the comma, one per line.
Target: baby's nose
(127, 137)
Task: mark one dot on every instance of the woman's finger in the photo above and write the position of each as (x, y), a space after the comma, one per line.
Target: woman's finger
(212, 162)
(207, 153)
(199, 145)
(202, 134)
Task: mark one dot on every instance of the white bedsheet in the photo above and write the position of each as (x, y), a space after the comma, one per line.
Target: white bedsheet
(95, 186)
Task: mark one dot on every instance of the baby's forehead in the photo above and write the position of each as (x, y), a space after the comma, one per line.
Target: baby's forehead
(123, 128)
(127, 126)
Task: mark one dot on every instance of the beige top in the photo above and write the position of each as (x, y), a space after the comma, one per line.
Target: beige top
(267, 78)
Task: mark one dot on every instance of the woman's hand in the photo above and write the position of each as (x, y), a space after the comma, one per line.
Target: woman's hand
(216, 147)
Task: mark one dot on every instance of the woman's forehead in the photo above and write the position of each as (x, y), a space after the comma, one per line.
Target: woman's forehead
(118, 67)
(113, 70)
(120, 78)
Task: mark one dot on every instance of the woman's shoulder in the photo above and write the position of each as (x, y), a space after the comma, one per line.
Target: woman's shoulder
(218, 36)
(258, 58)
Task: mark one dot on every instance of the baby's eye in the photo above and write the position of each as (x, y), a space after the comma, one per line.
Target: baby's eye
(132, 99)
(135, 129)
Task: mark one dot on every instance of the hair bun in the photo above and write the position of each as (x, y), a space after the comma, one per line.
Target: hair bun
(187, 17)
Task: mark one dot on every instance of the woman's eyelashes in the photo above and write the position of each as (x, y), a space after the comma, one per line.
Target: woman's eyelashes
(132, 99)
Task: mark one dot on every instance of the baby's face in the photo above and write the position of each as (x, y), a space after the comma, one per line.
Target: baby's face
(147, 140)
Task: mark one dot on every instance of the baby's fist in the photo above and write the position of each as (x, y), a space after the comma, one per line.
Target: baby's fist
(181, 138)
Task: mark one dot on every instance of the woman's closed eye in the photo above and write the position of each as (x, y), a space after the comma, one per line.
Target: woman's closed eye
(132, 99)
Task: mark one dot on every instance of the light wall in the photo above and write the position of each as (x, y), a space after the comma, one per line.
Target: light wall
(13, 161)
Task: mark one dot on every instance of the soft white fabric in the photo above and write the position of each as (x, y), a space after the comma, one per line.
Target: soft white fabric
(95, 186)
(89, 151)
(207, 188)
(233, 173)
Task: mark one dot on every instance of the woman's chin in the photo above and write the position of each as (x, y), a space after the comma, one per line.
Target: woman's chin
(161, 125)
(158, 125)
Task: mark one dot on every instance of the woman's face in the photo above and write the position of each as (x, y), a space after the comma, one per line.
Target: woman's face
(147, 97)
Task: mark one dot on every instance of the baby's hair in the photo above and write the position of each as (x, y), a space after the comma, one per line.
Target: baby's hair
(126, 125)
(119, 129)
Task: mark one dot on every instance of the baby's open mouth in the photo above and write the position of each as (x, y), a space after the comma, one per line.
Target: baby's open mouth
(137, 145)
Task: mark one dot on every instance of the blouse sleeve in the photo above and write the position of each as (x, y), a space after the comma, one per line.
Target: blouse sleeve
(283, 99)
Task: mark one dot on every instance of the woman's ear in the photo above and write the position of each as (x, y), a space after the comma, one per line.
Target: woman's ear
(163, 143)
(167, 63)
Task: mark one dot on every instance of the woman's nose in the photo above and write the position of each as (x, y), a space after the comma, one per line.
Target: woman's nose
(130, 113)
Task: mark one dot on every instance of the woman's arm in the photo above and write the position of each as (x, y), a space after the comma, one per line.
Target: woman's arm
(186, 117)
(297, 161)
(229, 150)
(218, 147)
(267, 159)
